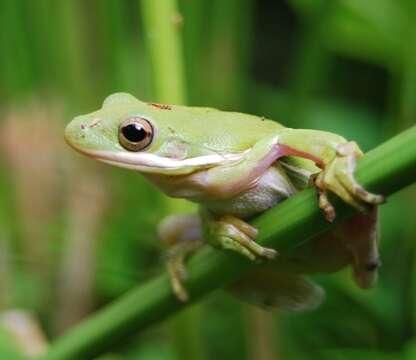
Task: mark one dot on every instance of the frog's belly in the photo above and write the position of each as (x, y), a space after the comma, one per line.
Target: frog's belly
(271, 189)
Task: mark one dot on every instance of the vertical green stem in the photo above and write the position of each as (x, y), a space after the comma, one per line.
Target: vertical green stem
(15, 66)
(261, 334)
(185, 332)
(407, 90)
(114, 34)
(74, 52)
(194, 33)
(227, 53)
(313, 62)
(405, 116)
(120, 59)
(162, 25)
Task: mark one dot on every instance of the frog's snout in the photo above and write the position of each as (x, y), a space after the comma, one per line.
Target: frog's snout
(75, 132)
(87, 133)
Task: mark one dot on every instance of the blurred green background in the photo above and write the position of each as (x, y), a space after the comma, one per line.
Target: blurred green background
(75, 235)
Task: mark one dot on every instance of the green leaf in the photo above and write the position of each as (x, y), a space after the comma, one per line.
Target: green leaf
(372, 30)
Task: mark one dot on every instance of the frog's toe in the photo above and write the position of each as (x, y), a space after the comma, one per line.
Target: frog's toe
(177, 274)
(246, 247)
(269, 253)
(332, 184)
(235, 234)
(338, 177)
(325, 205)
(229, 243)
(241, 225)
(357, 191)
(349, 197)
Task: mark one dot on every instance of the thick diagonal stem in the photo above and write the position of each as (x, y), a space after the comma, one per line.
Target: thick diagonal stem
(386, 169)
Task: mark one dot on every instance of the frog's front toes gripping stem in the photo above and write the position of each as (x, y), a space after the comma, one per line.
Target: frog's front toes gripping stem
(232, 233)
(338, 177)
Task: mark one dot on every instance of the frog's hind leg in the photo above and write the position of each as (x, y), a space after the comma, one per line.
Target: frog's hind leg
(360, 234)
(271, 289)
(182, 234)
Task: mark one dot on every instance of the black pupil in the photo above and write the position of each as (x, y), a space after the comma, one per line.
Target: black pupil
(134, 132)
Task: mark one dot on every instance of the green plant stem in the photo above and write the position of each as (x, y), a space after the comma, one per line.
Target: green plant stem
(162, 23)
(116, 49)
(227, 47)
(162, 30)
(386, 169)
(261, 335)
(313, 61)
(404, 114)
(16, 70)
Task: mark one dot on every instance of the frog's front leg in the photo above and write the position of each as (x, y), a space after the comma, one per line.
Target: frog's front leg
(332, 153)
(229, 180)
(337, 158)
(231, 233)
(183, 235)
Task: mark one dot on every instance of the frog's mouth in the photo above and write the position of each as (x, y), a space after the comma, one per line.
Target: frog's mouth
(153, 163)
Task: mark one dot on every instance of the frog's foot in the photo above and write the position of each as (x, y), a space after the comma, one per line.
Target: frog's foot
(176, 268)
(338, 177)
(360, 235)
(182, 233)
(232, 233)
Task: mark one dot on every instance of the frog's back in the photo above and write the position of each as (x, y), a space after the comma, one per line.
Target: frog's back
(230, 131)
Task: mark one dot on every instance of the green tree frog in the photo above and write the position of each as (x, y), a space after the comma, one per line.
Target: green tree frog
(236, 166)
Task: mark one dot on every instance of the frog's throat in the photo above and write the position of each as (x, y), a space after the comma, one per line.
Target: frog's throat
(153, 163)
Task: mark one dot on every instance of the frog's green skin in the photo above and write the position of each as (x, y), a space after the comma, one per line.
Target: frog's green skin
(235, 166)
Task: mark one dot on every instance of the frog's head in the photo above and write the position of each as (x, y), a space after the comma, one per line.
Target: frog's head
(147, 137)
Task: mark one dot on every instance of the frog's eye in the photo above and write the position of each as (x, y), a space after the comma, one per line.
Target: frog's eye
(135, 133)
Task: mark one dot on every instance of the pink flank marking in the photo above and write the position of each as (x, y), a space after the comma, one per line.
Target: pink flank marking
(255, 174)
(285, 150)
(244, 183)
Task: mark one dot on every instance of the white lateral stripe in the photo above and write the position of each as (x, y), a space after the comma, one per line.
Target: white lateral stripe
(155, 161)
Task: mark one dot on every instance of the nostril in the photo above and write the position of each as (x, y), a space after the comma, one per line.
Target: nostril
(82, 126)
